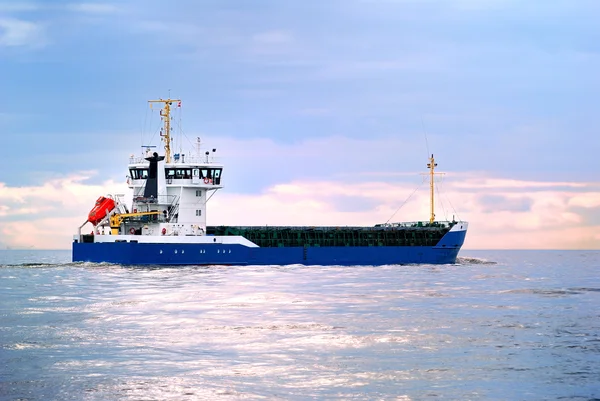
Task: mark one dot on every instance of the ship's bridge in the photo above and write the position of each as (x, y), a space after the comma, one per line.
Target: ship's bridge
(190, 171)
(178, 190)
(193, 174)
(178, 174)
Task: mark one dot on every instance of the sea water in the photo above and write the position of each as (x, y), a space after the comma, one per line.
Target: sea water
(498, 325)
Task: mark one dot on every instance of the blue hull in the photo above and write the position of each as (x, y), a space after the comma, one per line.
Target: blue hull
(133, 253)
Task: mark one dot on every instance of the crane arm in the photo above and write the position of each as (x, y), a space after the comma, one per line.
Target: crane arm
(117, 219)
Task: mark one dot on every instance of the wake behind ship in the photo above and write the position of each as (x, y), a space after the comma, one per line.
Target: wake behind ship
(166, 224)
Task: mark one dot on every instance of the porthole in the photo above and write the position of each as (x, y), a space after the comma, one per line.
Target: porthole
(175, 250)
(182, 251)
(160, 251)
(218, 251)
(230, 251)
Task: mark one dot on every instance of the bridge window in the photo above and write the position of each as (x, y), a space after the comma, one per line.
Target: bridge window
(178, 173)
(138, 173)
(213, 174)
(217, 176)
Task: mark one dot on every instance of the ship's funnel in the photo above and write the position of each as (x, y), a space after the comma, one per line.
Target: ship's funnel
(151, 190)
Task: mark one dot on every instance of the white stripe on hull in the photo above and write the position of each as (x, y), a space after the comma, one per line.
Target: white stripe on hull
(168, 239)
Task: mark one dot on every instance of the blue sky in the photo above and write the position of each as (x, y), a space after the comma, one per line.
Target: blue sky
(323, 103)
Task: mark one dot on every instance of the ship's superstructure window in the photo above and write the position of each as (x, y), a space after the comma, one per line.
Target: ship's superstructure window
(178, 173)
(185, 173)
(217, 176)
(213, 174)
(198, 192)
(198, 212)
(138, 173)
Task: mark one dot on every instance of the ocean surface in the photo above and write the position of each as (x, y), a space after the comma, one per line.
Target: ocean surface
(498, 325)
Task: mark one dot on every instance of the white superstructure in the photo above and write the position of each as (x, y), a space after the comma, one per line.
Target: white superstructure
(183, 188)
(170, 193)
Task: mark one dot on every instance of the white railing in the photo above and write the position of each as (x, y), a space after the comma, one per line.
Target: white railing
(198, 160)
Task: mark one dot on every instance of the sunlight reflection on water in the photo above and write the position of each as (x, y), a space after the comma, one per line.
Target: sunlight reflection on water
(492, 330)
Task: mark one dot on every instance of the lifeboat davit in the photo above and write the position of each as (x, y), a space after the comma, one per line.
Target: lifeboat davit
(103, 206)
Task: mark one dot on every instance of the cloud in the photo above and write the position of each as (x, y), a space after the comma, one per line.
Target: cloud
(93, 8)
(46, 216)
(337, 94)
(24, 6)
(20, 33)
(498, 220)
(494, 203)
(507, 184)
(20, 6)
(585, 200)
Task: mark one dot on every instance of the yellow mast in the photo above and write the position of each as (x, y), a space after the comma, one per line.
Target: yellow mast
(431, 166)
(165, 112)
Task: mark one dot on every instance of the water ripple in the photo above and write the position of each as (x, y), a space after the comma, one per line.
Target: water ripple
(524, 327)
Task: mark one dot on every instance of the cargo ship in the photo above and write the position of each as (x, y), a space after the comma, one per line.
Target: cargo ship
(165, 223)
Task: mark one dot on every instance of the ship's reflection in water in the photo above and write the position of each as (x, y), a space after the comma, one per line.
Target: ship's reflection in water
(393, 332)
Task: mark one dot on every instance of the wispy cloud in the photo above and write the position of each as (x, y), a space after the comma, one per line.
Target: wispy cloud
(49, 214)
(37, 6)
(19, 6)
(499, 220)
(17, 32)
(29, 24)
(93, 8)
(507, 184)
(305, 93)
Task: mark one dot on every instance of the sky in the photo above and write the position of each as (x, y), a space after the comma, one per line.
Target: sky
(323, 112)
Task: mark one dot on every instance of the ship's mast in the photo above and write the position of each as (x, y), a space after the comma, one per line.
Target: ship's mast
(165, 112)
(431, 166)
